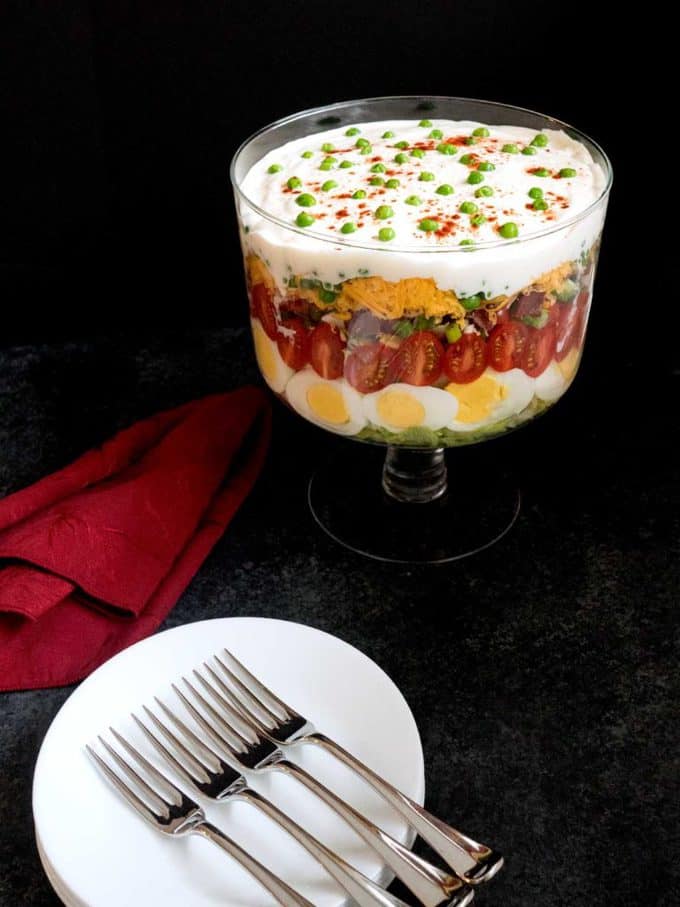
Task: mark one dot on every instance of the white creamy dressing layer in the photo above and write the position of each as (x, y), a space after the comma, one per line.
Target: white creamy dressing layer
(324, 252)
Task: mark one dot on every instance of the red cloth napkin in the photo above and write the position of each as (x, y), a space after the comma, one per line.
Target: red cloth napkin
(93, 557)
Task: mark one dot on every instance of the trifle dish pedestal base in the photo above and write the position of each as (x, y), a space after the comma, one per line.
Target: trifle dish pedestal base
(402, 507)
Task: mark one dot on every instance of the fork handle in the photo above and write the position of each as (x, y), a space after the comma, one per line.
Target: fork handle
(361, 889)
(429, 884)
(472, 862)
(283, 894)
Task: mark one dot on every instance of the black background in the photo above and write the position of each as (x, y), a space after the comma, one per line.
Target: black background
(123, 116)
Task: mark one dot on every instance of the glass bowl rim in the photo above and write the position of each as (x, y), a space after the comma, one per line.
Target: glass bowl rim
(487, 244)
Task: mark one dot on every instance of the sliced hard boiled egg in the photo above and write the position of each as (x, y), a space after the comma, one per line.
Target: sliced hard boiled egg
(332, 404)
(550, 384)
(569, 365)
(490, 398)
(401, 406)
(274, 370)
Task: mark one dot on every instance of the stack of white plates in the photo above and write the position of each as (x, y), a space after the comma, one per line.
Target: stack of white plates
(96, 850)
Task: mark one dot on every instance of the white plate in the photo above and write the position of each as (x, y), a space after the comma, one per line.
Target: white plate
(98, 853)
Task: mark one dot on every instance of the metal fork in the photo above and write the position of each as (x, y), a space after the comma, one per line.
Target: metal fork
(250, 750)
(274, 719)
(173, 813)
(205, 770)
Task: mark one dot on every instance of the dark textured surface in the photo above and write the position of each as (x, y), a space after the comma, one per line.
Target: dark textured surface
(543, 674)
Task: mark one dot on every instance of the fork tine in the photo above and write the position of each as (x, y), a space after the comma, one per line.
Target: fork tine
(207, 752)
(157, 775)
(122, 788)
(262, 690)
(242, 727)
(190, 768)
(246, 695)
(153, 795)
(224, 696)
(207, 726)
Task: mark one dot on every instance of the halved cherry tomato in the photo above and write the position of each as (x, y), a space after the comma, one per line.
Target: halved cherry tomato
(538, 350)
(293, 343)
(366, 368)
(570, 324)
(264, 310)
(506, 345)
(327, 351)
(418, 360)
(465, 360)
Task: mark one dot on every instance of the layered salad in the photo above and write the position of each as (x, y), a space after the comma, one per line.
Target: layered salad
(424, 283)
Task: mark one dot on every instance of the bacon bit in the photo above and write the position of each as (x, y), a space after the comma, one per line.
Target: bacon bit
(344, 195)
(425, 145)
(457, 140)
(391, 172)
(376, 158)
(343, 212)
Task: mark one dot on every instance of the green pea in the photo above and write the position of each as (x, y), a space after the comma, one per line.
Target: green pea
(385, 234)
(444, 189)
(378, 168)
(453, 332)
(468, 208)
(541, 171)
(413, 200)
(540, 140)
(486, 166)
(349, 227)
(328, 146)
(304, 219)
(510, 148)
(328, 185)
(418, 152)
(475, 177)
(307, 154)
(383, 212)
(425, 123)
(435, 134)
(392, 184)
(470, 140)
(567, 172)
(376, 181)
(401, 158)
(466, 242)
(388, 135)
(426, 176)
(481, 131)
(468, 159)
(327, 296)
(540, 204)
(508, 230)
(274, 168)
(327, 163)
(446, 148)
(478, 220)
(529, 150)
(535, 192)
(294, 182)
(345, 165)
(367, 149)
(361, 143)
(305, 200)
(484, 192)
(402, 144)
(352, 131)
(429, 225)
(360, 193)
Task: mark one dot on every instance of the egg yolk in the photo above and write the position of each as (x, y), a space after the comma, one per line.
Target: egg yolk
(477, 400)
(264, 352)
(327, 404)
(400, 410)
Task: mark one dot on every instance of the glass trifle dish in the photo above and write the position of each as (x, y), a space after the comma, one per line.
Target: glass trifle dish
(420, 273)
